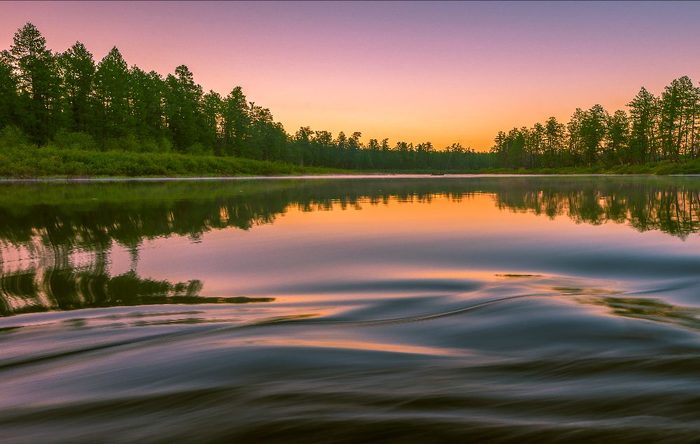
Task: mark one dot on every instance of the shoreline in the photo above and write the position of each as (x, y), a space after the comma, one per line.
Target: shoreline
(75, 165)
(358, 176)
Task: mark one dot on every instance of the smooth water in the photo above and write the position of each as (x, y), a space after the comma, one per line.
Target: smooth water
(332, 310)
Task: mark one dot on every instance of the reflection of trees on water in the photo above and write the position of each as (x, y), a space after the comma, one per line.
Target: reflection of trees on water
(50, 222)
(93, 216)
(648, 309)
(65, 289)
(673, 209)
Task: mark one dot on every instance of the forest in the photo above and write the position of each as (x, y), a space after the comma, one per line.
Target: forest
(68, 100)
(75, 107)
(653, 129)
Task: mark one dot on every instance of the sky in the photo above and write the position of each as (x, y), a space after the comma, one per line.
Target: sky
(414, 71)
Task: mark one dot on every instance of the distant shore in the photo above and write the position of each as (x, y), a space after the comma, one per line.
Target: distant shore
(75, 164)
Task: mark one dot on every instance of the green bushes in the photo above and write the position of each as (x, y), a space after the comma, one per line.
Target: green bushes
(13, 137)
(72, 154)
(72, 140)
(30, 161)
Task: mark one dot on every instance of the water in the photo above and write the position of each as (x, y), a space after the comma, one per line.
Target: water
(340, 310)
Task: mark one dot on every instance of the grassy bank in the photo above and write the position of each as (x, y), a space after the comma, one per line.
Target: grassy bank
(655, 168)
(29, 161)
(658, 168)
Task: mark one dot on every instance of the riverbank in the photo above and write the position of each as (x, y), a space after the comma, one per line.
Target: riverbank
(28, 162)
(661, 168)
(657, 168)
(33, 162)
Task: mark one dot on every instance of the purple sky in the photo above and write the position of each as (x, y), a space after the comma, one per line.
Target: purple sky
(444, 72)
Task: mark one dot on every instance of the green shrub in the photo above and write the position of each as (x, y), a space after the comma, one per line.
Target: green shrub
(13, 137)
(74, 141)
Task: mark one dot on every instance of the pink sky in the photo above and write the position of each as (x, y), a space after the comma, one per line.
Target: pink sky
(445, 72)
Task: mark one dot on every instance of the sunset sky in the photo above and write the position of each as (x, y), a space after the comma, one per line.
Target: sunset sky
(444, 72)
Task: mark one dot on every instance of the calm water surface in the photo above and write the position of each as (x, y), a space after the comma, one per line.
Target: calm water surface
(338, 310)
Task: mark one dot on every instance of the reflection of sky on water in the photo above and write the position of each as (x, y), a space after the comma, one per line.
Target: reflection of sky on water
(297, 239)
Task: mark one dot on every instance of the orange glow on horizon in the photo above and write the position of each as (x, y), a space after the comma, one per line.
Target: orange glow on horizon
(440, 72)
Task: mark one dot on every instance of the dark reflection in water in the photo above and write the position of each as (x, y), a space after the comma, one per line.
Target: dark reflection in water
(669, 205)
(649, 309)
(65, 289)
(390, 309)
(53, 220)
(92, 216)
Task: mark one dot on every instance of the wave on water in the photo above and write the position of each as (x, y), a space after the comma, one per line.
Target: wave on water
(404, 310)
(517, 358)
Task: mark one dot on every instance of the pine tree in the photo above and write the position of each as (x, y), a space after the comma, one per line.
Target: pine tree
(77, 72)
(34, 68)
(112, 97)
(644, 110)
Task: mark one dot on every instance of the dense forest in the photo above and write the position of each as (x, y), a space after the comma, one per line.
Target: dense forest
(654, 129)
(69, 101)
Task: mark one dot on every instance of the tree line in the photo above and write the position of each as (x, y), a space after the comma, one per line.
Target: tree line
(654, 128)
(69, 100)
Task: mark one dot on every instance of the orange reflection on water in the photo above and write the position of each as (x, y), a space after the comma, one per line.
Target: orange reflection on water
(434, 213)
(304, 232)
(348, 344)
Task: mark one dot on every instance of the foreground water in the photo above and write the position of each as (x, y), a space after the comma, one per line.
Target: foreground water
(333, 310)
